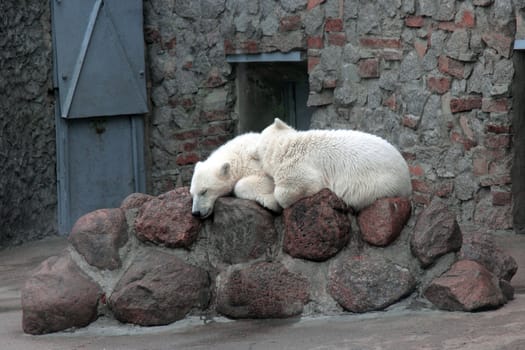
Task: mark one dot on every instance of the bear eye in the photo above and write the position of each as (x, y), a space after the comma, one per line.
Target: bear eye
(203, 192)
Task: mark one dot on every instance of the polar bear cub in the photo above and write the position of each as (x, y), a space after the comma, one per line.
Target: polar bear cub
(356, 166)
(229, 169)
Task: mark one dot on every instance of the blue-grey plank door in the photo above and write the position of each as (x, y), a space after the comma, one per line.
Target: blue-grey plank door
(100, 91)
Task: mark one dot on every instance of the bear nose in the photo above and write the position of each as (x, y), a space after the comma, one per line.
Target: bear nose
(197, 214)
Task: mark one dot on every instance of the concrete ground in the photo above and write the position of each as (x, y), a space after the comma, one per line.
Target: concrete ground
(396, 329)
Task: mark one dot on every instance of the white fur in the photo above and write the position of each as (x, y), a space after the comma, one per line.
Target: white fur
(229, 169)
(356, 166)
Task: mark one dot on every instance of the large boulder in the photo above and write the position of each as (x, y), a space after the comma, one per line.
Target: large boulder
(262, 290)
(159, 288)
(135, 201)
(382, 222)
(467, 286)
(436, 233)
(364, 283)
(483, 249)
(167, 220)
(240, 230)
(317, 227)
(58, 296)
(98, 235)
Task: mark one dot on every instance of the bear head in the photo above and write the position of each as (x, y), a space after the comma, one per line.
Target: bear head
(210, 181)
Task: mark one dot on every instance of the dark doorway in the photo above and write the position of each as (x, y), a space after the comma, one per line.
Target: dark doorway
(266, 90)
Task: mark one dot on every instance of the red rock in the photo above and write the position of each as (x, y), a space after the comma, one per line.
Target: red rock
(290, 23)
(98, 235)
(436, 233)
(380, 43)
(159, 289)
(451, 66)
(465, 104)
(262, 290)
(467, 286)
(366, 283)
(414, 21)
(135, 201)
(317, 227)
(382, 222)
(315, 42)
(58, 296)
(483, 249)
(333, 25)
(167, 220)
(439, 85)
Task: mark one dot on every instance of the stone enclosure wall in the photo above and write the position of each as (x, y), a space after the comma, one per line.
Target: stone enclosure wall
(433, 77)
(150, 262)
(28, 196)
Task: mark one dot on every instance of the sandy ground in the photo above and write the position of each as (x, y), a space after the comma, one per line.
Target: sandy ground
(395, 329)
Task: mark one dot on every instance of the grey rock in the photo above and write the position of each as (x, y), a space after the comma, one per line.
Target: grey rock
(410, 68)
(436, 233)
(366, 283)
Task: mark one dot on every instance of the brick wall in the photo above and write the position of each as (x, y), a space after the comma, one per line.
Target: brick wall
(433, 77)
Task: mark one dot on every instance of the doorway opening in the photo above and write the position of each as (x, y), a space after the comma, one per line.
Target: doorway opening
(269, 87)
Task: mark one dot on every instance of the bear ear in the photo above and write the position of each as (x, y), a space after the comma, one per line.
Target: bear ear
(225, 170)
(198, 164)
(279, 124)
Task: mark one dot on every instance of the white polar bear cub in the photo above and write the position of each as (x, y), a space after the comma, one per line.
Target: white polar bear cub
(356, 166)
(231, 168)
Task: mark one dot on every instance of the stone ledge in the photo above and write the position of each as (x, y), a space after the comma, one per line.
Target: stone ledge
(245, 262)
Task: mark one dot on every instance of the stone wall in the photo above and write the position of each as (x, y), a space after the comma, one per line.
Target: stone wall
(433, 77)
(27, 135)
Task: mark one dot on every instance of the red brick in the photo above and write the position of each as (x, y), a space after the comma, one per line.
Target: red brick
(391, 102)
(152, 35)
(312, 63)
(467, 143)
(468, 20)
(212, 143)
(421, 186)
(439, 85)
(380, 43)
(416, 170)
(313, 3)
(500, 198)
(480, 164)
(333, 25)
(415, 21)
(189, 146)
(392, 54)
(187, 134)
(498, 128)
(250, 46)
(421, 198)
(210, 116)
(315, 42)
(451, 66)
(290, 23)
(337, 39)
(170, 44)
(410, 121)
(465, 104)
(218, 128)
(495, 105)
(187, 158)
(497, 140)
(229, 48)
(369, 68)
(445, 190)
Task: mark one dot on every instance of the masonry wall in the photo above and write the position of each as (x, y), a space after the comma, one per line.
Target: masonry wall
(433, 77)
(28, 196)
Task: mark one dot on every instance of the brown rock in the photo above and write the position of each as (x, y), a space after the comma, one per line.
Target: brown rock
(262, 290)
(167, 220)
(365, 283)
(382, 222)
(241, 230)
(467, 286)
(436, 233)
(58, 296)
(317, 227)
(135, 200)
(98, 235)
(482, 249)
(159, 289)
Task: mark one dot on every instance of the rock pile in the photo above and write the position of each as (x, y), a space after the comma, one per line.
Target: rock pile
(150, 262)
